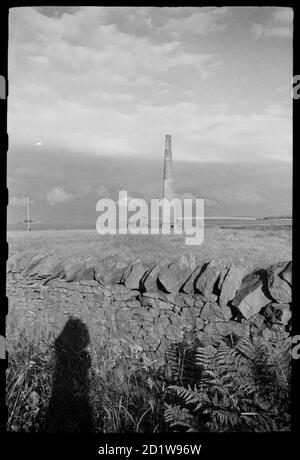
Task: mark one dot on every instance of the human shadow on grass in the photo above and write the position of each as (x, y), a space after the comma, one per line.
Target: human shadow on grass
(69, 409)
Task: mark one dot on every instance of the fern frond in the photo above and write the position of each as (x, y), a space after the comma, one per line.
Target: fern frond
(177, 416)
(205, 356)
(189, 395)
(246, 348)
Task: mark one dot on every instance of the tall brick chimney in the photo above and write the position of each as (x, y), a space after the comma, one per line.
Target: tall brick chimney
(168, 186)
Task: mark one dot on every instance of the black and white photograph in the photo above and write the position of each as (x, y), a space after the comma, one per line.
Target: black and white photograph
(149, 222)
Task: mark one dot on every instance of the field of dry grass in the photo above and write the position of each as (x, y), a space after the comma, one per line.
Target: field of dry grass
(258, 246)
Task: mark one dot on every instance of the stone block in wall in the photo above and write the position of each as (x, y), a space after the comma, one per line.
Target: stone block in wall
(187, 315)
(144, 313)
(154, 295)
(278, 287)
(253, 303)
(149, 279)
(20, 261)
(276, 313)
(148, 326)
(152, 299)
(133, 304)
(258, 321)
(174, 334)
(209, 276)
(287, 273)
(85, 274)
(187, 327)
(227, 312)
(212, 312)
(113, 276)
(133, 274)
(152, 302)
(252, 295)
(199, 302)
(71, 266)
(207, 339)
(183, 323)
(163, 347)
(176, 299)
(122, 293)
(136, 349)
(222, 277)
(232, 281)
(189, 337)
(106, 292)
(50, 266)
(199, 324)
(11, 264)
(175, 319)
(225, 328)
(66, 287)
(91, 283)
(189, 286)
(210, 298)
(151, 343)
(123, 328)
(31, 269)
(158, 327)
(195, 312)
(154, 312)
(106, 264)
(124, 314)
(134, 327)
(165, 306)
(155, 340)
(164, 320)
(189, 300)
(174, 275)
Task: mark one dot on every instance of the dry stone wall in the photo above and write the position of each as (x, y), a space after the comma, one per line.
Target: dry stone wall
(145, 308)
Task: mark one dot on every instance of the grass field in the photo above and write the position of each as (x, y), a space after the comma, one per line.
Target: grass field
(253, 246)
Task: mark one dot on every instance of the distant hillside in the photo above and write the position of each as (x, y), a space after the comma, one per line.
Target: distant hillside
(274, 217)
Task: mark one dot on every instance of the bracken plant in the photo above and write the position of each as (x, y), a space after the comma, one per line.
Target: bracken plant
(241, 387)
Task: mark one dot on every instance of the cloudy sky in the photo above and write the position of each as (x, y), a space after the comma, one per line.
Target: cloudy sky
(93, 91)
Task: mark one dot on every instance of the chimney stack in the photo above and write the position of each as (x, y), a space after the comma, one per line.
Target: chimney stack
(168, 186)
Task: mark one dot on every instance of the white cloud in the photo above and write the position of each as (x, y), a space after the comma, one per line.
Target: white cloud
(201, 22)
(103, 192)
(78, 79)
(81, 83)
(58, 195)
(15, 201)
(197, 135)
(280, 25)
(84, 190)
(211, 136)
